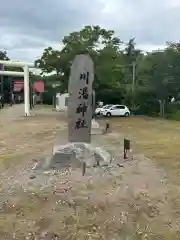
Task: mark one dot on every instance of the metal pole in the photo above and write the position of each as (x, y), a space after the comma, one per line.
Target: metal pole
(133, 75)
(133, 83)
(54, 99)
(26, 91)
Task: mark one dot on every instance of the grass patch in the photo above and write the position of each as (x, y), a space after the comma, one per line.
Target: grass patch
(156, 138)
(8, 160)
(7, 157)
(174, 116)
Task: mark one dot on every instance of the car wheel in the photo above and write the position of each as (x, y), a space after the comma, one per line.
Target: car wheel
(108, 114)
(126, 114)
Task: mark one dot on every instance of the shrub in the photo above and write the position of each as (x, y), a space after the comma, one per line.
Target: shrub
(174, 116)
(172, 108)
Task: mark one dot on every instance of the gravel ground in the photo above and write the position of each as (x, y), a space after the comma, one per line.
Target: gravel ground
(113, 202)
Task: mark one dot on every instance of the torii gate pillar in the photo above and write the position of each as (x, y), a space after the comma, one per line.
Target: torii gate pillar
(26, 91)
(25, 74)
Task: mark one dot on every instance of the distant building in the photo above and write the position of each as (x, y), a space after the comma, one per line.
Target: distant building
(18, 90)
(62, 101)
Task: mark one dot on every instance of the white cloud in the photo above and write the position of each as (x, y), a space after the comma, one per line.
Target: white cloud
(29, 28)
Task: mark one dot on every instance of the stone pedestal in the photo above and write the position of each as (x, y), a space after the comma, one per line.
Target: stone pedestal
(73, 155)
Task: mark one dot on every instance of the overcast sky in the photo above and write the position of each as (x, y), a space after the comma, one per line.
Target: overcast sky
(28, 26)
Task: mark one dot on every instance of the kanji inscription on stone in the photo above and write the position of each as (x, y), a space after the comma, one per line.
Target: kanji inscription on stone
(80, 99)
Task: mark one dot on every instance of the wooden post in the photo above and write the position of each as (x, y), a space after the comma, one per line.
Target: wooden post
(127, 147)
(107, 127)
(83, 168)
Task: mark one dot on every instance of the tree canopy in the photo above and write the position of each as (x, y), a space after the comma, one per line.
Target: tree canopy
(156, 73)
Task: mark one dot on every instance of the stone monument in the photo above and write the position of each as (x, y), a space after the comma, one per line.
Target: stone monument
(81, 106)
(80, 99)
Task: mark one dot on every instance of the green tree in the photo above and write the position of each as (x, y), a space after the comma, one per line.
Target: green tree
(157, 75)
(3, 55)
(97, 42)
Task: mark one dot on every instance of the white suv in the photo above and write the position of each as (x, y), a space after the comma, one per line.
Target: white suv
(116, 110)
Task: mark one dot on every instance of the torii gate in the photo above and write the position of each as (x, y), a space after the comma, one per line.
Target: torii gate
(24, 74)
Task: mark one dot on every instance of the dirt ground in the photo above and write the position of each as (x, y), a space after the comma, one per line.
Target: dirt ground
(137, 201)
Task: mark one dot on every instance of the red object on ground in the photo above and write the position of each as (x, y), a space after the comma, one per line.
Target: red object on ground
(18, 86)
(39, 86)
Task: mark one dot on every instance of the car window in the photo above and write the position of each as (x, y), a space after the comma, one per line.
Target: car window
(113, 108)
(106, 107)
(122, 107)
(117, 107)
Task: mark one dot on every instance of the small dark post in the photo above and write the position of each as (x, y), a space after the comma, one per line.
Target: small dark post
(11, 92)
(3, 100)
(11, 98)
(2, 93)
(107, 127)
(54, 100)
(31, 97)
(2, 86)
(83, 168)
(97, 162)
(126, 147)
